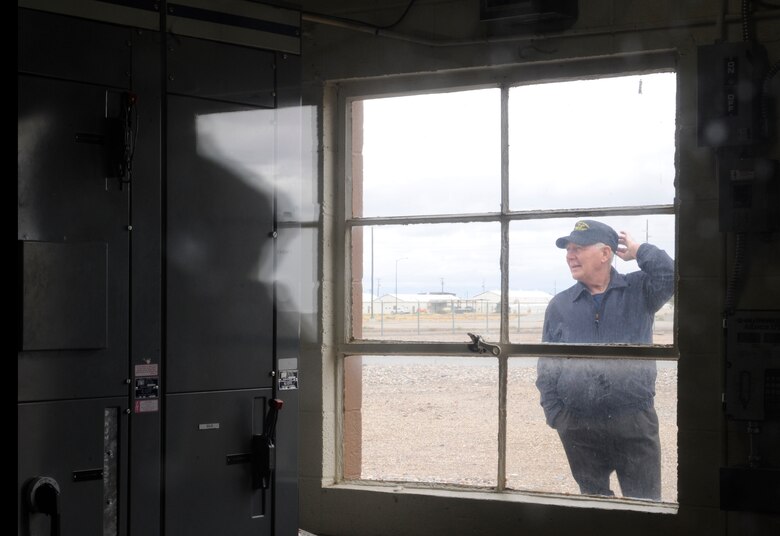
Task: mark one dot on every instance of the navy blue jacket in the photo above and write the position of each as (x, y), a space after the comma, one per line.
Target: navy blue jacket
(600, 387)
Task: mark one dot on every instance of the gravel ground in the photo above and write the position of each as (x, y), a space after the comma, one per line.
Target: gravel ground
(438, 423)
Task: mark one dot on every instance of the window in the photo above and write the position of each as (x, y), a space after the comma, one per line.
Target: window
(455, 203)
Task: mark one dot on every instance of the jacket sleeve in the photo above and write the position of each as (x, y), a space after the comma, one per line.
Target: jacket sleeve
(658, 268)
(548, 370)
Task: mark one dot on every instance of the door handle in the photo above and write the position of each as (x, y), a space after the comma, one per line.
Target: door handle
(43, 496)
(264, 449)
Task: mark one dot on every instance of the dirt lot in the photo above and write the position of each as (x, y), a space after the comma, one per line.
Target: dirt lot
(437, 422)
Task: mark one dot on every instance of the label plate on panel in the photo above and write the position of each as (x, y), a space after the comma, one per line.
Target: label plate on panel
(146, 369)
(146, 406)
(209, 426)
(288, 379)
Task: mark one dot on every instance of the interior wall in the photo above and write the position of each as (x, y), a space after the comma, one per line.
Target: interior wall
(441, 36)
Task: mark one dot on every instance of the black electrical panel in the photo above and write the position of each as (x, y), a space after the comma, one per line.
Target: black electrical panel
(749, 193)
(753, 366)
(730, 83)
(135, 370)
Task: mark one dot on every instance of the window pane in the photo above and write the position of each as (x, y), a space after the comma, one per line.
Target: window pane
(431, 154)
(597, 394)
(592, 143)
(424, 419)
(538, 270)
(435, 419)
(426, 282)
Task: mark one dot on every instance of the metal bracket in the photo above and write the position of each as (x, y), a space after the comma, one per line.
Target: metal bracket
(479, 345)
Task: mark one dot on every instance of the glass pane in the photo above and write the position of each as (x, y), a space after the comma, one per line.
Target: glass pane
(425, 282)
(422, 419)
(538, 270)
(598, 423)
(592, 143)
(430, 154)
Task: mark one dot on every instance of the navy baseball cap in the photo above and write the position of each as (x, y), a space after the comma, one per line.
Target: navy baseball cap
(587, 232)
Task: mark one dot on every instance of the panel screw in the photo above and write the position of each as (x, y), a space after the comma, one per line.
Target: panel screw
(272, 373)
(129, 227)
(128, 381)
(127, 411)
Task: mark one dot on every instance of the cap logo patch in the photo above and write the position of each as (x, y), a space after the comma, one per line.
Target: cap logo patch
(581, 226)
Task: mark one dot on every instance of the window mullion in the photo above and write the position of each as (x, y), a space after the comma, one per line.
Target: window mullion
(503, 360)
(504, 210)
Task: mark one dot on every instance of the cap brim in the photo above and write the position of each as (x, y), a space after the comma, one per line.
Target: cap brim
(564, 241)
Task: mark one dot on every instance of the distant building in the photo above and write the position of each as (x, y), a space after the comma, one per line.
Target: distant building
(520, 301)
(412, 303)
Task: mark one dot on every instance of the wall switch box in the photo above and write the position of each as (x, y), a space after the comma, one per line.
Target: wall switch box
(730, 83)
(749, 193)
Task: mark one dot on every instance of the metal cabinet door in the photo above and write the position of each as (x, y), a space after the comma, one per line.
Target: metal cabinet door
(79, 446)
(219, 262)
(208, 469)
(73, 244)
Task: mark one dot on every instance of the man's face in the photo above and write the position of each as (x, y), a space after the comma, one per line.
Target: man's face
(586, 261)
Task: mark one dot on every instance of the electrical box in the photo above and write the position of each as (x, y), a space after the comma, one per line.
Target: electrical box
(135, 371)
(753, 365)
(749, 193)
(730, 84)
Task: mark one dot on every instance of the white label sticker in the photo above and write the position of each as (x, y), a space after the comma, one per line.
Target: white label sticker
(208, 426)
(145, 406)
(288, 380)
(288, 363)
(148, 369)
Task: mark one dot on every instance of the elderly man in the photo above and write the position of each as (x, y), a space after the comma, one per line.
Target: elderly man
(603, 409)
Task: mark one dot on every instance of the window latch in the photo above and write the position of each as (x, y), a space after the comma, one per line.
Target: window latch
(480, 346)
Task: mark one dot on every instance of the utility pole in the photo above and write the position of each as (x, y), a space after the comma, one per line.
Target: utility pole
(396, 282)
(372, 272)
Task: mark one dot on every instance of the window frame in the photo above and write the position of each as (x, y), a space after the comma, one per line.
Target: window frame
(343, 224)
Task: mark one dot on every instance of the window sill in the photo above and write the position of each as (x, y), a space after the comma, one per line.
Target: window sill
(519, 497)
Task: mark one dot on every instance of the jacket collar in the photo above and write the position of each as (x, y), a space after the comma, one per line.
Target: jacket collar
(616, 280)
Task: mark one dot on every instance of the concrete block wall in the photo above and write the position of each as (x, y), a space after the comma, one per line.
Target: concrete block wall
(441, 36)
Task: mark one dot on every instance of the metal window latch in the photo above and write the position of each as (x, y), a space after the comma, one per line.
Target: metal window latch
(479, 345)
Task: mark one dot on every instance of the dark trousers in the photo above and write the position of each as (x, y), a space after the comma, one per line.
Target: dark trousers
(627, 443)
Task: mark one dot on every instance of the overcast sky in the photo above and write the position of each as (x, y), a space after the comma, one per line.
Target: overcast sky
(597, 143)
